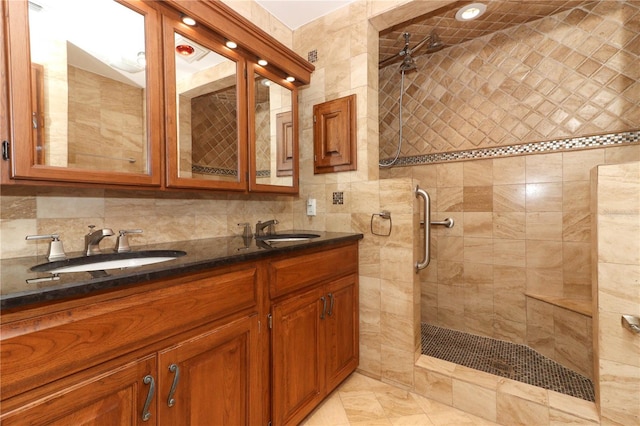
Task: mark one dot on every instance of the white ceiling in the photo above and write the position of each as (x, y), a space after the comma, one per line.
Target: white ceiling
(296, 13)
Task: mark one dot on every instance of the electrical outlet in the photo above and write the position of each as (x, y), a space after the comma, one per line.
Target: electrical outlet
(311, 207)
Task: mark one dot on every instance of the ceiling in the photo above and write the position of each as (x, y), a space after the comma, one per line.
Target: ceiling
(296, 13)
(500, 14)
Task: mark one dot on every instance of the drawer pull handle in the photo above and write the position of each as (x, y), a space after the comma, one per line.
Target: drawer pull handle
(332, 299)
(176, 377)
(324, 307)
(148, 380)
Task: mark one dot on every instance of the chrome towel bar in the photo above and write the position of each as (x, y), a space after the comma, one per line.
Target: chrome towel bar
(448, 222)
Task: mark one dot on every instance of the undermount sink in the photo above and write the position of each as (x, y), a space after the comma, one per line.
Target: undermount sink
(101, 262)
(282, 238)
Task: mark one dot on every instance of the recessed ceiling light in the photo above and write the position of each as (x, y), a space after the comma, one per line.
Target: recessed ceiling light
(231, 44)
(188, 20)
(470, 11)
(291, 79)
(262, 62)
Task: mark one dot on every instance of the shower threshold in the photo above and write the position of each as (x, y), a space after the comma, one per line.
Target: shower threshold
(505, 359)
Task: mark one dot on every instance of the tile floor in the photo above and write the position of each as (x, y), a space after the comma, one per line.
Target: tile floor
(363, 401)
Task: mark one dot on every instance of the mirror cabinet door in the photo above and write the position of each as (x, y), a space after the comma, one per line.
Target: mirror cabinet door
(93, 75)
(273, 133)
(206, 103)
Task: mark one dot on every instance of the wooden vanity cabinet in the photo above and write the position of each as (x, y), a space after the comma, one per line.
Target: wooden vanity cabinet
(212, 378)
(192, 350)
(122, 358)
(115, 397)
(314, 331)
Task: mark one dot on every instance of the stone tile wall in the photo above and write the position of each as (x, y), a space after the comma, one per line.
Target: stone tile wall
(616, 219)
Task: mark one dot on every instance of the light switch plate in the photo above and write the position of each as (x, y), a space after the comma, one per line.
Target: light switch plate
(311, 207)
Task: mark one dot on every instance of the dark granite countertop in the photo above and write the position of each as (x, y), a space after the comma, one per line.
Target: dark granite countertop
(19, 286)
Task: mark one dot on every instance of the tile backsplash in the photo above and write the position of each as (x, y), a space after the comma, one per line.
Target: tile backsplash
(162, 217)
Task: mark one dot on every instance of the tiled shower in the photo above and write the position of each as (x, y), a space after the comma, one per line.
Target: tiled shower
(516, 106)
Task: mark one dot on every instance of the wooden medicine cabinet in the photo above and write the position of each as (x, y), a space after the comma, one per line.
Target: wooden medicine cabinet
(334, 135)
(135, 112)
(82, 109)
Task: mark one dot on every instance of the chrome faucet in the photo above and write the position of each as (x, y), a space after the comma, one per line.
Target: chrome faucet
(93, 238)
(261, 225)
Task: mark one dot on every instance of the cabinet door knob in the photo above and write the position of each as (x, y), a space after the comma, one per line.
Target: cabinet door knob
(176, 377)
(332, 299)
(148, 380)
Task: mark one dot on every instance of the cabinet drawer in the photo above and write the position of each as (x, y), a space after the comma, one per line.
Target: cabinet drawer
(45, 348)
(291, 274)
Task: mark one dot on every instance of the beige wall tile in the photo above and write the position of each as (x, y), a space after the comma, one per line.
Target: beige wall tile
(434, 385)
(544, 254)
(583, 410)
(514, 410)
(544, 168)
(450, 199)
(449, 174)
(508, 171)
(619, 393)
(478, 173)
(509, 225)
(509, 198)
(475, 399)
(544, 197)
(576, 165)
(616, 292)
(478, 224)
(544, 226)
(478, 198)
(615, 246)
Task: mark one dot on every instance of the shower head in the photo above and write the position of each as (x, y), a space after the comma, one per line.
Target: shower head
(432, 41)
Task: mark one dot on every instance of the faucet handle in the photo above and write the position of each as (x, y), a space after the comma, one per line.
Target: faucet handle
(122, 243)
(247, 230)
(56, 250)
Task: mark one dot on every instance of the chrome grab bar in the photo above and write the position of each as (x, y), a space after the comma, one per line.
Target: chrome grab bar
(448, 222)
(427, 229)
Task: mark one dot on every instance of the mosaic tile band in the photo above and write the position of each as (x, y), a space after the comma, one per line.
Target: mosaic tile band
(527, 148)
(224, 172)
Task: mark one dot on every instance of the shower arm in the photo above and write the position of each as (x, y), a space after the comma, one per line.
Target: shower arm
(432, 38)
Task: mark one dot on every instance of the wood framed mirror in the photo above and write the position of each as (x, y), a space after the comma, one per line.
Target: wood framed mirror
(206, 109)
(273, 132)
(94, 106)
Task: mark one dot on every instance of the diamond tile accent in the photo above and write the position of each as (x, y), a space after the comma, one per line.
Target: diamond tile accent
(562, 76)
(499, 16)
(214, 130)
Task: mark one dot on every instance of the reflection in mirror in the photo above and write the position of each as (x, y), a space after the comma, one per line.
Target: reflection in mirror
(273, 133)
(207, 112)
(88, 85)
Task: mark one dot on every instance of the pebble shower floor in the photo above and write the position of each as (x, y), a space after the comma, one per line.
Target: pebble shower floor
(505, 359)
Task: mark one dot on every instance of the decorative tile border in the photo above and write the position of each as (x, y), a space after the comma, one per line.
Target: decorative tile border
(213, 170)
(528, 148)
(224, 172)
